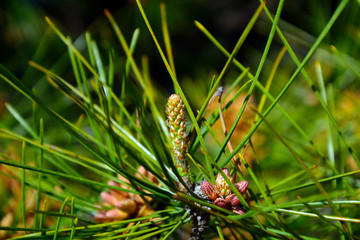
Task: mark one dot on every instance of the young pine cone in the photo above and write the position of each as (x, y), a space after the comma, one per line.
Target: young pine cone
(221, 194)
(175, 111)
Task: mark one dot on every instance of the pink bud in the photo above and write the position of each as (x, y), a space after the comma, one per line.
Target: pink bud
(242, 186)
(100, 216)
(121, 178)
(116, 193)
(228, 198)
(209, 190)
(220, 202)
(107, 197)
(113, 183)
(233, 200)
(142, 170)
(116, 214)
(227, 172)
(152, 178)
(238, 210)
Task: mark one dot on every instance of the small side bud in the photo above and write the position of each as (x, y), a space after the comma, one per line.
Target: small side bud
(242, 186)
(100, 217)
(107, 197)
(220, 202)
(232, 200)
(142, 170)
(116, 214)
(209, 190)
(238, 210)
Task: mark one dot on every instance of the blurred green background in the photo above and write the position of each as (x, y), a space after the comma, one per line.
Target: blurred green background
(24, 31)
(24, 34)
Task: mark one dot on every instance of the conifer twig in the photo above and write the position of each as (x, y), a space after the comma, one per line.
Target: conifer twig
(218, 94)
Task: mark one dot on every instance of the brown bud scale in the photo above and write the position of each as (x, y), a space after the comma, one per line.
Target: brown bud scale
(242, 186)
(220, 202)
(209, 190)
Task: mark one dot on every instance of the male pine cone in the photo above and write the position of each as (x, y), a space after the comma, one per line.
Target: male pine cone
(175, 111)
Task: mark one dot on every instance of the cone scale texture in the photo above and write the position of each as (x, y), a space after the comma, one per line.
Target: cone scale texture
(175, 111)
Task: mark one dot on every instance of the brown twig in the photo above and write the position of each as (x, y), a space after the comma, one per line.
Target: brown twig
(235, 159)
